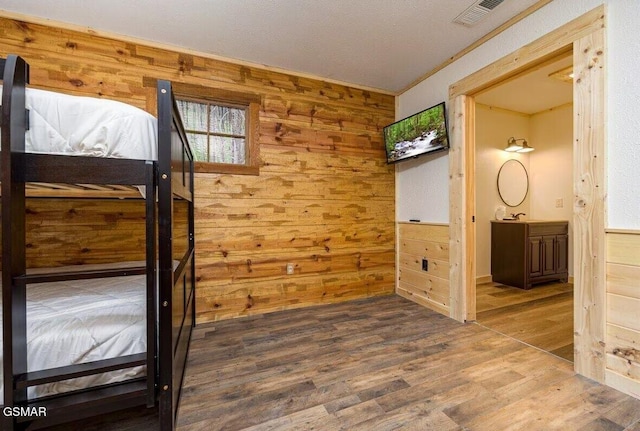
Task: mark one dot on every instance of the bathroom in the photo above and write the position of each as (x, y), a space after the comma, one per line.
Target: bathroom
(535, 110)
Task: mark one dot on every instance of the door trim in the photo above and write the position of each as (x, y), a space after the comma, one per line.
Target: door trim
(585, 37)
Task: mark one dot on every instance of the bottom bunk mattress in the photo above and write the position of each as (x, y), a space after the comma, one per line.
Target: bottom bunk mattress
(81, 321)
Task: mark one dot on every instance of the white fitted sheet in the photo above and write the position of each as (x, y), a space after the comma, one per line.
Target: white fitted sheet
(88, 126)
(82, 321)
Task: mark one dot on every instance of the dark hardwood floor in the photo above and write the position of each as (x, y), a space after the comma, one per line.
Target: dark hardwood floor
(541, 316)
(378, 364)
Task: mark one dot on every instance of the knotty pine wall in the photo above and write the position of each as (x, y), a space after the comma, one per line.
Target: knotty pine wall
(431, 288)
(324, 199)
(622, 337)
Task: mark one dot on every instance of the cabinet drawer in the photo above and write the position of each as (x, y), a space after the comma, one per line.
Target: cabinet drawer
(560, 228)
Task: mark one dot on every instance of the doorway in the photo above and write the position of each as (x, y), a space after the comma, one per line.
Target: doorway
(584, 37)
(533, 109)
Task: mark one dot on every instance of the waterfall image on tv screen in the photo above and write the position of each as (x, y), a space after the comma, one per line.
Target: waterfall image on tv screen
(418, 134)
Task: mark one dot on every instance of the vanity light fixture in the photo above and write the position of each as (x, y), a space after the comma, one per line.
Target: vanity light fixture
(514, 146)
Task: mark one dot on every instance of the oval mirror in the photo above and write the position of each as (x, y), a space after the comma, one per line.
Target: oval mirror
(513, 183)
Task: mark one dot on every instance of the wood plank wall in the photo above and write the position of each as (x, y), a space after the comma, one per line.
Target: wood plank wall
(324, 199)
(623, 312)
(431, 288)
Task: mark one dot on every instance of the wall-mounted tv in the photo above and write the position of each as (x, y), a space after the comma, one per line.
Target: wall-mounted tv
(421, 133)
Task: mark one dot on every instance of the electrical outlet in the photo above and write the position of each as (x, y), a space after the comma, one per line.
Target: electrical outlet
(290, 268)
(425, 265)
(559, 203)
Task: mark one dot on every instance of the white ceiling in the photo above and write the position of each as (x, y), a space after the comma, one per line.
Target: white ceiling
(383, 44)
(532, 92)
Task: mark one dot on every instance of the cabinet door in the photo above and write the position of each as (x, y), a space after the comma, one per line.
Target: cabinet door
(549, 255)
(562, 254)
(535, 256)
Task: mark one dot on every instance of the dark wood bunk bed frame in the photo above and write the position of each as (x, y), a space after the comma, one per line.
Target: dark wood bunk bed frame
(170, 279)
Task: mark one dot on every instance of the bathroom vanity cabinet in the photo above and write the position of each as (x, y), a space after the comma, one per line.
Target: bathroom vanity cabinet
(524, 253)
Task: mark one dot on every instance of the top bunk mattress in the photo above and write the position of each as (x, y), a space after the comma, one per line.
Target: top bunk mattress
(87, 126)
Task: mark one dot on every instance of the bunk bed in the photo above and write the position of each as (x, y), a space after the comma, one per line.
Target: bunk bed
(150, 311)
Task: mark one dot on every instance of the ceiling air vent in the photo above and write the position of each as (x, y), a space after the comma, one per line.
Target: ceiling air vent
(476, 12)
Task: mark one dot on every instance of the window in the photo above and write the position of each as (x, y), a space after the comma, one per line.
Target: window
(222, 128)
(217, 133)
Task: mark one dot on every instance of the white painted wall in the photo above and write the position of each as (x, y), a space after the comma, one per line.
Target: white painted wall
(551, 164)
(550, 168)
(422, 186)
(423, 193)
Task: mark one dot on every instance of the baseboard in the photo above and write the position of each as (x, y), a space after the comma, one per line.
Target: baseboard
(488, 279)
(484, 279)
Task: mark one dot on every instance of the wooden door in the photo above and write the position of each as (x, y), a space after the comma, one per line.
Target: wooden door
(548, 257)
(562, 259)
(535, 256)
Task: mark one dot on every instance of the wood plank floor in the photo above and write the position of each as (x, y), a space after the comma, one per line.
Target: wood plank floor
(378, 364)
(541, 316)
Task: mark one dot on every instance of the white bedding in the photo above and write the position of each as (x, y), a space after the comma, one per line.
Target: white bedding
(87, 126)
(82, 321)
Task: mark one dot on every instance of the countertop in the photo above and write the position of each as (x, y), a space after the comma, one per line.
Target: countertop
(529, 221)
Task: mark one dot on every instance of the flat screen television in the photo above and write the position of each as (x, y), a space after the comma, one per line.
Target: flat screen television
(421, 133)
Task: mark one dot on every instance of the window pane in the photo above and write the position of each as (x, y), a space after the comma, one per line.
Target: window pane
(194, 115)
(227, 150)
(204, 120)
(198, 146)
(230, 121)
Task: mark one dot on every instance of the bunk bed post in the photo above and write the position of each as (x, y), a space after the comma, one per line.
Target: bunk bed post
(14, 123)
(151, 271)
(192, 238)
(165, 259)
(177, 276)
